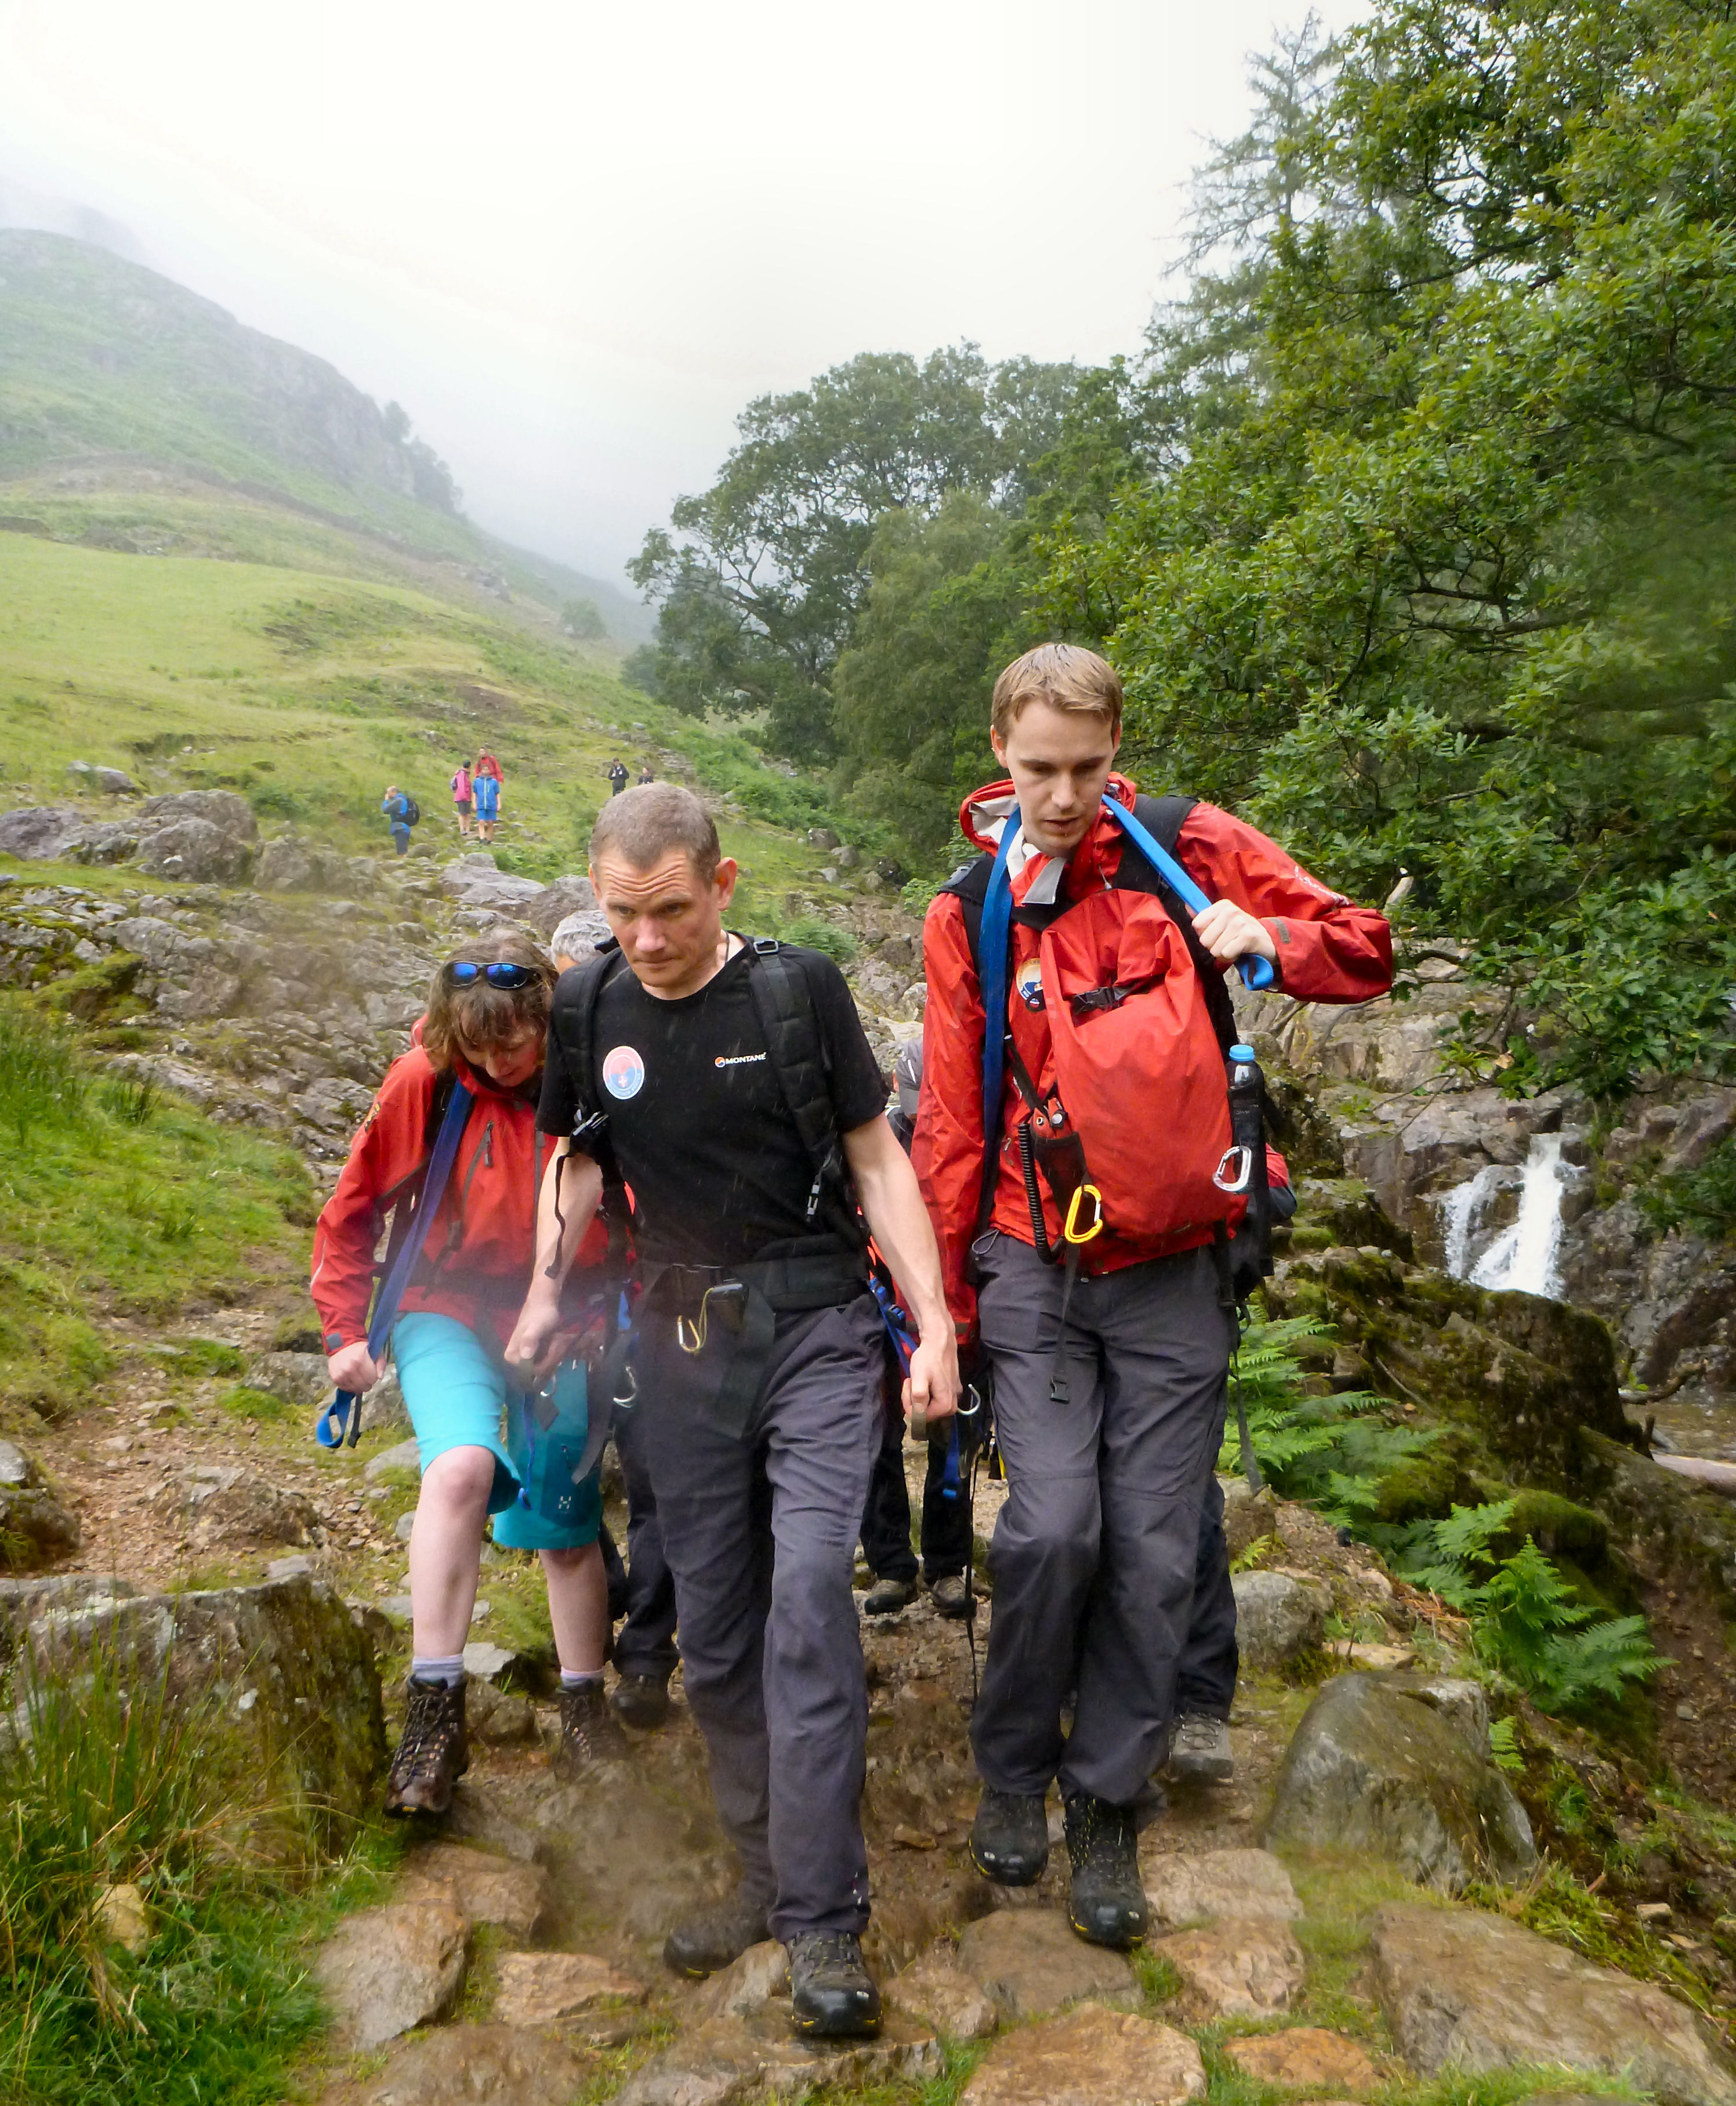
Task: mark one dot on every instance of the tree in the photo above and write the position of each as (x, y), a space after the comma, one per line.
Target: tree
(1434, 575)
(760, 582)
(583, 619)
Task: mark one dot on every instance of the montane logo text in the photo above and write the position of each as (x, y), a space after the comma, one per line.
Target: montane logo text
(736, 1060)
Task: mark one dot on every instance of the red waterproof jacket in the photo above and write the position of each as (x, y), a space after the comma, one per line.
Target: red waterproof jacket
(1143, 1083)
(476, 1263)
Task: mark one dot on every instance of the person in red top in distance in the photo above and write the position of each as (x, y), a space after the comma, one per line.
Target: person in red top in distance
(1109, 1419)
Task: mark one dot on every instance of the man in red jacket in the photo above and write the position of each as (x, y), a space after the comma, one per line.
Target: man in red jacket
(1110, 1373)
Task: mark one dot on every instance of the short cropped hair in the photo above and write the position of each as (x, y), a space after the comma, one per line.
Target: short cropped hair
(642, 825)
(574, 938)
(1067, 676)
(478, 1018)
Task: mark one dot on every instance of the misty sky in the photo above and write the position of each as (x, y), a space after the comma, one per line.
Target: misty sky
(573, 241)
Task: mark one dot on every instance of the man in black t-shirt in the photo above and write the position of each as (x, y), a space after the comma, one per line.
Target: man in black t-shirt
(759, 1354)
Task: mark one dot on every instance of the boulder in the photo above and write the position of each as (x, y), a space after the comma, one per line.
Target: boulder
(195, 851)
(1028, 1963)
(221, 808)
(222, 1503)
(1306, 2058)
(1464, 1990)
(499, 1718)
(1092, 2057)
(297, 1378)
(543, 1988)
(1191, 1886)
(103, 843)
(1278, 1617)
(39, 833)
(111, 782)
(475, 880)
(295, 1677)
(1246, 1967)
(404, 1455)
(547, 909)
(468, 2065)
(482, 1886)
(935, 1989)
(35, 1529)
(387, 1970)
(1464, 1705)
(1373, 1769)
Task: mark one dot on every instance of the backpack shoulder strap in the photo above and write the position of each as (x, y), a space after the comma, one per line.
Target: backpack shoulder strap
(572, 1025)
(968, 884)
(786, 1009)
(1163, 818)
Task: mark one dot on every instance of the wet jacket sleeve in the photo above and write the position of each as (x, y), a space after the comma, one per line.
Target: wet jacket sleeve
(947, 1148)
(386, 1150)
(1328, 950)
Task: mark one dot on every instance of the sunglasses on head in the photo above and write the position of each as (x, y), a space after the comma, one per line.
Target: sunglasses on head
(464, 973)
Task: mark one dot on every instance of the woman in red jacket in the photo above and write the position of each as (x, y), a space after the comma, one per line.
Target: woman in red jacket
(485, 1028)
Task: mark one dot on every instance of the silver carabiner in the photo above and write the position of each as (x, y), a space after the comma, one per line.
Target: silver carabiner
(1242, 1157)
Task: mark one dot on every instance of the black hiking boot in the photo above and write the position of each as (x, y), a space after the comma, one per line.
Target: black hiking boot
(1009, 1837)
(1200, 1749)
(707, 1943)
(885, 1597)
(434, 1753)
(950, 1597)
(831, 1993)
(640, 1700)
(1106, 1903)
(589, 1733)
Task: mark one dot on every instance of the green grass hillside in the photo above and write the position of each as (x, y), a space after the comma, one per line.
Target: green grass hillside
(136, 415)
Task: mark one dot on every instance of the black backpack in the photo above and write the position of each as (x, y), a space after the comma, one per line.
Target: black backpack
(794, 1050)
(412, 812)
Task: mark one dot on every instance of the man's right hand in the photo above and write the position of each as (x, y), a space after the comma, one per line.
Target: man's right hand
(353, 1368)
(530, 1347)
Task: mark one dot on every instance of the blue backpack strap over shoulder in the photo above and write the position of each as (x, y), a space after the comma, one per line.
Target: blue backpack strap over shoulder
(340, 1420)
(1256, 972)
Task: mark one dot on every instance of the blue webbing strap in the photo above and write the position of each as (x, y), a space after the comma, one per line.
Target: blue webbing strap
(993, 943)
(1256, 972)
(334, 1417)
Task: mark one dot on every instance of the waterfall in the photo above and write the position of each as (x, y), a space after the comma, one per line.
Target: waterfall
(1522, 1258)
(1460, 1209)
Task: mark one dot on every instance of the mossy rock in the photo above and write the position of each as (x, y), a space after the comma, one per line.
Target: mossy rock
(1347, 1209)
(1426, 1487)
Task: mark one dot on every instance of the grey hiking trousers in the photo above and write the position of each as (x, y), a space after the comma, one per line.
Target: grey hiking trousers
(1094, 1554)
(760, 1535)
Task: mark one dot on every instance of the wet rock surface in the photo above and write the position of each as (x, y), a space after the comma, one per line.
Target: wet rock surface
(1248, 1967)
(1466, 1991)
(1185, 1887)
(1306, 2058)
(1029, 1962)
(385, 1970)
(1092, 2057)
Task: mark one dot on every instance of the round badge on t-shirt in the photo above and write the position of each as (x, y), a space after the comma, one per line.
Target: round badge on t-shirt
(623, 1072)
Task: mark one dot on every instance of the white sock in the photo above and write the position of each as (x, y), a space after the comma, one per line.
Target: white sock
(450, 1670)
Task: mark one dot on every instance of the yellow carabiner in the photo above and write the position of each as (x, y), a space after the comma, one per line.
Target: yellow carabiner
(685, 1331)
(1071, 1231)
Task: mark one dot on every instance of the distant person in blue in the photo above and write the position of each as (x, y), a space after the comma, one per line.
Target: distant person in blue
(401, 814)
(487, 791)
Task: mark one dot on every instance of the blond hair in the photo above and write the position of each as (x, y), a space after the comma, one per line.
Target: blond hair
(1067, 676)
(478, 1018)
(642, 825)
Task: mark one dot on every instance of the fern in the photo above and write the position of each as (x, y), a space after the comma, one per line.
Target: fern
(1325, 1451)
(1504, 1747)
(1526, 1622)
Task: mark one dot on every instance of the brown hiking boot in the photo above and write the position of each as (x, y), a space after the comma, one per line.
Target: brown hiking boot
(589, 1734)
(433, 1753)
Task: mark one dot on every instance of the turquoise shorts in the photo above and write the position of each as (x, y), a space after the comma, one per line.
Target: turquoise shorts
(457, 1396)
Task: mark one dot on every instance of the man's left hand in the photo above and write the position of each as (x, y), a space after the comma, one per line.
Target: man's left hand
(1229, 932)
(932, 1387)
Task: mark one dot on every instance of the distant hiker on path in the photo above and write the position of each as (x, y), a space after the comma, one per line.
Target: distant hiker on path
(464, 799)
(617, 772)
(645, 773)
(486, 764)
(484, 1032)
(401, 813)
(486, 789)
(1103, 1295)
(730, 1086)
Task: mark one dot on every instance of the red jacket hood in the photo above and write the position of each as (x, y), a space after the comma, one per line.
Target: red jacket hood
(984, 811)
